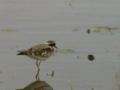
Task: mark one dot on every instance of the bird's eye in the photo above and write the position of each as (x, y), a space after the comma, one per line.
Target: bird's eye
(53, 44)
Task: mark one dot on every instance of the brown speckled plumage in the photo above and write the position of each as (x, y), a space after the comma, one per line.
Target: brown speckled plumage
(40, 51)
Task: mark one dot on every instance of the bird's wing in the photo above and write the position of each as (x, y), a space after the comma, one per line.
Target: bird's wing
(40, 46)
(41, 51)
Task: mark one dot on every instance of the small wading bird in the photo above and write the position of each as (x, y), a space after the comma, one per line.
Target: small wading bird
(40, 52)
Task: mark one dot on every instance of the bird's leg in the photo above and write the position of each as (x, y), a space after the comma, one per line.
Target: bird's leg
(37, 74)
(38, 69)
(39, 62)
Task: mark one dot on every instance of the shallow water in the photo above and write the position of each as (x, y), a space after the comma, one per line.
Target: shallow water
(35, 21)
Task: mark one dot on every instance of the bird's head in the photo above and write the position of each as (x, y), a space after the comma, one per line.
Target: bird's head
(52, 43)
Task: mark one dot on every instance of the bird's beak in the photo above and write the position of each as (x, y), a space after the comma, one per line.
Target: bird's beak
(56, 47)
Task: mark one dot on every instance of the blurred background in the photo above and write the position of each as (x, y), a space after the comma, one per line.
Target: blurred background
(24, 23)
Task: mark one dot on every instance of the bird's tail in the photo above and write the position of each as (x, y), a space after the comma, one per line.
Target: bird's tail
(22, 52)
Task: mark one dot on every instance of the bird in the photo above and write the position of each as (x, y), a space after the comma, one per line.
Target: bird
(40, 52)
